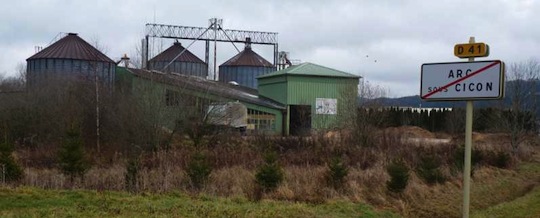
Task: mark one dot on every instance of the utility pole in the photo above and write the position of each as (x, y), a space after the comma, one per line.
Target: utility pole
(96, 79)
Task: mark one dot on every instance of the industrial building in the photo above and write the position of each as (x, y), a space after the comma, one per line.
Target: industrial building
(245, 67)
(178, 59)
(316, 97)
(70, 56)
(166, 92)
(296, 100)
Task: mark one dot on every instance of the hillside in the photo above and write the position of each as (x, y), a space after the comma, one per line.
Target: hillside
(416, 101)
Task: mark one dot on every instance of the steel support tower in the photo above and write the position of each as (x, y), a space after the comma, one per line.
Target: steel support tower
(214, 32)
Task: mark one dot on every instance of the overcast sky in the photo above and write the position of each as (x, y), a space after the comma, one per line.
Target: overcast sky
(384, 41)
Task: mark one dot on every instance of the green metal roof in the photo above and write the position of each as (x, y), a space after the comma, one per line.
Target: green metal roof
(310, 69)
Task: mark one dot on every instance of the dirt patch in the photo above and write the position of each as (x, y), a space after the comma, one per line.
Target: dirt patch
(410, 132)
(485, 140)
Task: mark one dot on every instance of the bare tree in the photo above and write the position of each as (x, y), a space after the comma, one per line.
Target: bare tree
(96, 42)
(135, 57)
(14, 83)
(370, 112)
(521, 92)
(3, 83)
(21, 73)
(371, 98)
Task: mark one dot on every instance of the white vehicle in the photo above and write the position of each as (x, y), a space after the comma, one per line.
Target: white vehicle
(232, 114)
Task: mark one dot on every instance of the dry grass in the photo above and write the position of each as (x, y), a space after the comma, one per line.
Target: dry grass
(304, 160)
(235, 181)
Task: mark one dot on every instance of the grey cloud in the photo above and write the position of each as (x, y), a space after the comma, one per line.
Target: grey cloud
(400, 35)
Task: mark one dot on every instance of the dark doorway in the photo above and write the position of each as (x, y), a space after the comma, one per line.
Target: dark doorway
(300, 120)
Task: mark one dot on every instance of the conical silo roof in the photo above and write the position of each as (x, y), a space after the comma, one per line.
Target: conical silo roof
(71, 47)
(171, 52)
(247, 57)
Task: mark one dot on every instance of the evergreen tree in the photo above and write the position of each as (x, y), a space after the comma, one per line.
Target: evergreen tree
(198, 170)
(71, 155)
(132, 174)
(336, 173)
(399, 176)
(270, 174)
(9, 169)
(429, 170)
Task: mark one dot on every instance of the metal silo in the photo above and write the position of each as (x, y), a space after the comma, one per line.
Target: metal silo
(70, 56)
(245, 67)
(187, 63)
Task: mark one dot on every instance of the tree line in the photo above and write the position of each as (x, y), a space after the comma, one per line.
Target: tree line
(450, 120)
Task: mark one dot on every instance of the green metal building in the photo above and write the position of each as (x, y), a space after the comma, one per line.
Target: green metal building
(316, 97)
(293, 101)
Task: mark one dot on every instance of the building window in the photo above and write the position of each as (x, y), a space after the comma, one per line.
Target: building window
(172, 98)
(259, 121)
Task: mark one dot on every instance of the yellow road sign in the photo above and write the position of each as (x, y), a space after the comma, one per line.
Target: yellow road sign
(471, 50)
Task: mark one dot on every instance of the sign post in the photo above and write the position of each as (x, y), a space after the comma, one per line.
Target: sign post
(464, 81)
(468, 148)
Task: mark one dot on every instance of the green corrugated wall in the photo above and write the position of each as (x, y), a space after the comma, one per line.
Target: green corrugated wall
(274, 88)
(303, 90)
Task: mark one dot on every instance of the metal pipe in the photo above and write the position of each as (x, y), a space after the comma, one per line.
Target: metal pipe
(207, 58)
(230, 39)
(276, 58)
(215, 49)
(145, 59)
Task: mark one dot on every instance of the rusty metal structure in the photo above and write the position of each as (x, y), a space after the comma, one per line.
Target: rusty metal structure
(213, 33)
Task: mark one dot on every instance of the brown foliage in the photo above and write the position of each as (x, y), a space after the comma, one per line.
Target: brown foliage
(304, 159)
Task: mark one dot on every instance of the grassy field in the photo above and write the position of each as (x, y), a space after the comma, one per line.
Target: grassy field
(527, 206)
(511, 191)
(495, 193)
(33, 202)
(524, 206)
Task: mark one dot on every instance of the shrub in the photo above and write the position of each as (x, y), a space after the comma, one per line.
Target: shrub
(270, 174)
(9, 169)
(500, 159)
(366, 158)
(459, 158)
(429, 170)
(399, 176)
(71, 155)
(198, 170)
(336, 173)
(132, 174)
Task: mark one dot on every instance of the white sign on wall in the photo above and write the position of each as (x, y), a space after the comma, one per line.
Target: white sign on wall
(326, 106)
(462, 80)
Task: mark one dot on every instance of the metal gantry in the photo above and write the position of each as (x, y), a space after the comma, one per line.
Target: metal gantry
(187, 32)
(214, 32)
